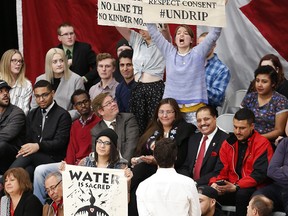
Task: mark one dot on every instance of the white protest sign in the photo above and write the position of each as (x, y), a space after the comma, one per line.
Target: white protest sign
(94, 191)
(122, 13)
(193, 12)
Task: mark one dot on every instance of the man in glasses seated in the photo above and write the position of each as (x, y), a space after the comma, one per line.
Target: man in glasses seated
(53, 187)
(47, 135)
(124, 124)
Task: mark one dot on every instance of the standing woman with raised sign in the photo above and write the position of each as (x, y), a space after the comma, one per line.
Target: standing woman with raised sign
(185, 67)
(149, 66)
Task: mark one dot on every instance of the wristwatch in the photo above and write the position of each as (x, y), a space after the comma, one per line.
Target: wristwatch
(237, 187)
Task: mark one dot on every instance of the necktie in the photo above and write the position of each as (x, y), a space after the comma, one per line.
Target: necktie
(68, 54)
(113, 125)
(44, 111)
(199, 160)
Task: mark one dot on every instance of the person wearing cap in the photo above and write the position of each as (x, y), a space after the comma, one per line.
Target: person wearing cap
(12, 128)
(121, 45)
(166, 192)
(107, 155)
(48, 131)
(125, 87)
(124, 124)
(207, 199)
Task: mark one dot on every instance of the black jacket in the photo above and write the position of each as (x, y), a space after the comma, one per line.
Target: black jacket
(55, 134)
(210, 159)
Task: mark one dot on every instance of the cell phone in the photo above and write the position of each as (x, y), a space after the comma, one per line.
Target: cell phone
(220, 182)
(139, 160)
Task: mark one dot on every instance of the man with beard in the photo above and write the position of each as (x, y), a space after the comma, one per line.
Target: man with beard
(12, 128)
(244, 159)
(79, 144)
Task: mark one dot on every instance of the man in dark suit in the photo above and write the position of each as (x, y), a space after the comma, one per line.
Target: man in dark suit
(124, 124)
(48, 129)
(12, 128)
(81, 57)
(206, 123)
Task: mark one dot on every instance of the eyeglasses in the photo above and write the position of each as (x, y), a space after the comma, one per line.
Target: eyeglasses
(43, 96)
(17, 61)
(109, 103)
(105, 143)
(67, 34)
(80, 103)
(53, 188)
(167, 112)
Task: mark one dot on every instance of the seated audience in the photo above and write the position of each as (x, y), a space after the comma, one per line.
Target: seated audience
(19, 199)
(48, 128)
(123, 90)
(208, 202)
(278, 172)
(121, 45)
(217, 76)
(64, 82)
(203, 147)
(273, 61)
(260, 206)
(167, 122)
(12, 128)
(166, 192)
(81, 57)
(80, 142)
(244, 159)
(105, 66)
(269, 107)
(12, 70)
(53, 187)
(124, 124)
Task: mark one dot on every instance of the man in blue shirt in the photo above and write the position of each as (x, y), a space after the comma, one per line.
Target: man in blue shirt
(217, 76)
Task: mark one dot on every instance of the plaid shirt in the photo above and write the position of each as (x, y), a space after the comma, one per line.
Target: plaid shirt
(217, 79)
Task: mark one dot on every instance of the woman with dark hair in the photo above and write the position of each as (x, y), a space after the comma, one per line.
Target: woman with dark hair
(269, 107)
(167, 122)
(19, 199)
(106, 154)
(273, 61)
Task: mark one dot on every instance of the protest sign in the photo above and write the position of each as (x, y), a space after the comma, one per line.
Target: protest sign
(94, 191)
(193, 12)
(123, 13)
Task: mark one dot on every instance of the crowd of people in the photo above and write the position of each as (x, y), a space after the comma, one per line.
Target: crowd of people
(152, 112)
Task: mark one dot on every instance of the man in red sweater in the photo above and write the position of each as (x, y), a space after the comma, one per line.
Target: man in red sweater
(80, 143)
(243, 162)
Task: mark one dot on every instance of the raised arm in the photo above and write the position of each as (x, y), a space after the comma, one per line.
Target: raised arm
(125, 32)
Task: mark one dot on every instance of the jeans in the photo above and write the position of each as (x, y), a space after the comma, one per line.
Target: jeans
(40, 174)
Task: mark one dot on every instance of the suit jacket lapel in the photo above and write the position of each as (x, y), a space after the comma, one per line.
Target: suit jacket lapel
(211, 147)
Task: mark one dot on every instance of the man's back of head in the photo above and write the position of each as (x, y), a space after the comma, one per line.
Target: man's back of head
(165, 153)
(260, 205)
